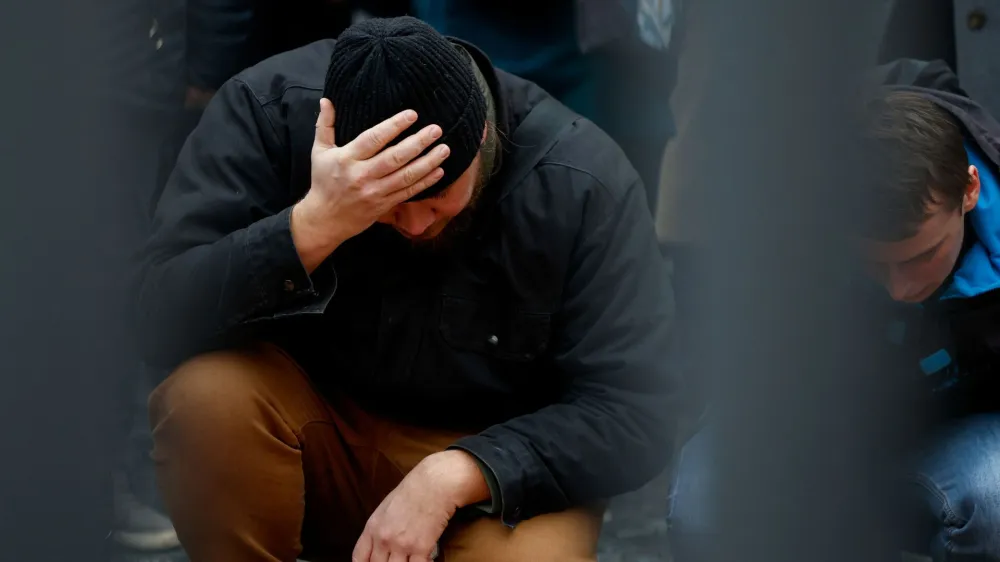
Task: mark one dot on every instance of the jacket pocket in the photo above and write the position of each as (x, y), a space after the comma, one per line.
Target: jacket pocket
(489, 329)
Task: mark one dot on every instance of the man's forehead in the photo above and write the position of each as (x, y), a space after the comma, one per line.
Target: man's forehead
(928, 236)
(901, 251)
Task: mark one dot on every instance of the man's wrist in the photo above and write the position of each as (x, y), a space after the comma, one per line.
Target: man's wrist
(464, 481)
(313, 240)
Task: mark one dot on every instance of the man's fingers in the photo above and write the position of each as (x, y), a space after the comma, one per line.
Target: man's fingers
(363, 549)
(370, 142)
(325, 137)
(411, 191)
(416, 176)
(399, 557)
(379, 554)
(394, 158)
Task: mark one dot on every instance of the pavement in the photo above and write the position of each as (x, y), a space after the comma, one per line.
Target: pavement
(635, 526)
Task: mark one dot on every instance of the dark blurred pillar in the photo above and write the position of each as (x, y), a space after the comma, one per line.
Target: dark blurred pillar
(799, 397)
(61, 255)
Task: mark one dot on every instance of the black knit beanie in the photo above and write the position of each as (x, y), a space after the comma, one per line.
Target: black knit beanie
(380, 67)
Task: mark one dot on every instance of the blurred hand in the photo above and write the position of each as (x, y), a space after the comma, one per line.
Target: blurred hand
(407, 524)
(197, 98)
(353, 185)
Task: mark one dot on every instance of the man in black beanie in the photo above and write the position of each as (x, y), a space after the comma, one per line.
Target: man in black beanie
(413, 308)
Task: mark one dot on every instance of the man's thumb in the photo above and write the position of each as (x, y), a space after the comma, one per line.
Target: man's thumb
(325, 137)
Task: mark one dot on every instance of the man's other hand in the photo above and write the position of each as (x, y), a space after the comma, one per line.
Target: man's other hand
(407, 524)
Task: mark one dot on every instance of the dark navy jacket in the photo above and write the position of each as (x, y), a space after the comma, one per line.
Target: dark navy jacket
(549, 327)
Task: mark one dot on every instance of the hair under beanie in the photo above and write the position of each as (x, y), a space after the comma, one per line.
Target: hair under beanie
(380, 67)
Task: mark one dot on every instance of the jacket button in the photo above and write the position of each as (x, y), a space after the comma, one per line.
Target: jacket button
(976, 20)
(289, 285)
(154, 28)
(493, 340)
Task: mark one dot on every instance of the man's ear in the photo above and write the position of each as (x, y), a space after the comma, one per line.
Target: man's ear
(971, 197)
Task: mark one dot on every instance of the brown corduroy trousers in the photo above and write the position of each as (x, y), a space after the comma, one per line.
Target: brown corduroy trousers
(254, 465)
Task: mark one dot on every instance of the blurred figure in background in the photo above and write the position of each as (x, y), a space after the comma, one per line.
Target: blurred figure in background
(593, 55)
(180, 52)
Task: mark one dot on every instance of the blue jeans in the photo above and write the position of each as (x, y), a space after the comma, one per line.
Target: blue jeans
(957, 484)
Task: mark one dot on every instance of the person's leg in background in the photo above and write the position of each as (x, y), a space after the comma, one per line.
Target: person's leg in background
(958, 488)
(254, 464)
(952, 502)
(689, 517)
(139, 525)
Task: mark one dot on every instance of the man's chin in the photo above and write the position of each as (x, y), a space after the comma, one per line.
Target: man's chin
(917, 298)
(430, 243)
(422, 239)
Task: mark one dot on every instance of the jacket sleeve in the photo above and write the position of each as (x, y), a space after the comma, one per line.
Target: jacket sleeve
(613, 428)
(221, 251)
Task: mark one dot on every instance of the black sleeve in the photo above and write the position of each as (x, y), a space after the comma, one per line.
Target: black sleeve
(612, 430)
(221, 251)
(221, 40)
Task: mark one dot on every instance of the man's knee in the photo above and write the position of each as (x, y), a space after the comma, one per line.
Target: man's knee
(214, 393)
(968, 516)
(960, 485)
(569, 536)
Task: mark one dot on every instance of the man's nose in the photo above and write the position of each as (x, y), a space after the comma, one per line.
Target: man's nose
(413, 220)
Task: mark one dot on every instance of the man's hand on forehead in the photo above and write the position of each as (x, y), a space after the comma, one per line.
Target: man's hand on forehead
(392, 163)
(367, 149)
(353, 185)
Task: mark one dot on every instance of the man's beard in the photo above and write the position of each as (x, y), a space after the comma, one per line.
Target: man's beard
(457, 229)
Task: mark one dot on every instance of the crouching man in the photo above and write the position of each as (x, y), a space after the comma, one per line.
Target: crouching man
(936, 251)
(418, 310)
